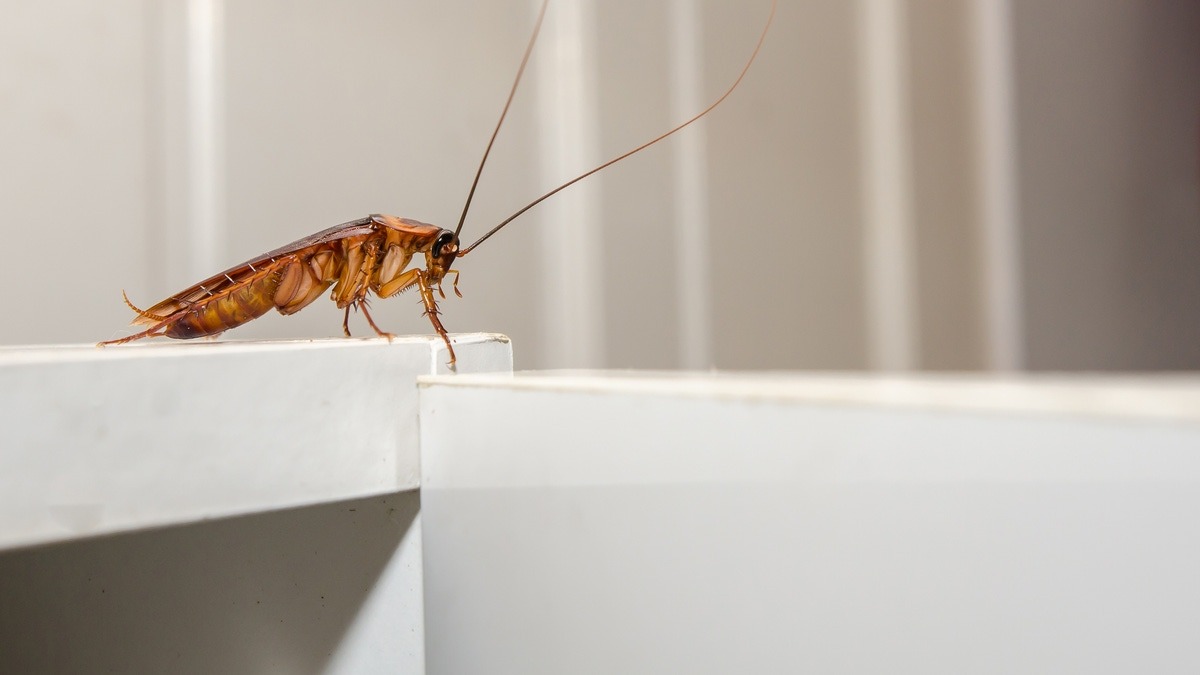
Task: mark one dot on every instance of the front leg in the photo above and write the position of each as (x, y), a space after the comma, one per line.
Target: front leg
(420, 278)
(455, 286)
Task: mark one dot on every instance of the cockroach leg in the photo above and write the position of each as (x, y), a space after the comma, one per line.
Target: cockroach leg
(346, 321)
(362, 305)
(153, 331)
(455, 285)
(431, 311)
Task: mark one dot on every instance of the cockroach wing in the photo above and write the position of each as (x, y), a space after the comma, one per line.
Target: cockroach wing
(239, 273)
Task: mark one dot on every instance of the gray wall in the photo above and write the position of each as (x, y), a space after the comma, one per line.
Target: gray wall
(122, 170)
(1109, 108)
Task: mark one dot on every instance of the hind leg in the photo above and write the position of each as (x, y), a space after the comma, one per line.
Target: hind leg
(154, 331)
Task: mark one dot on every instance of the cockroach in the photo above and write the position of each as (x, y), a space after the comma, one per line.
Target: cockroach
(368, 255)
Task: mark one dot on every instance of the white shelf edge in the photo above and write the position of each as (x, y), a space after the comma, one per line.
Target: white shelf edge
(1130, 396)
(99, 441)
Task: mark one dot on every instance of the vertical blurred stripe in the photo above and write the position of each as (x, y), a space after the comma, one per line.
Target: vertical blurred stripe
(694, 261)
(205, 137)
(997, 137)
(888, 186)
(571, 222)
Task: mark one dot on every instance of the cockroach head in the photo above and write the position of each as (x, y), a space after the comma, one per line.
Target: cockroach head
(444, 249)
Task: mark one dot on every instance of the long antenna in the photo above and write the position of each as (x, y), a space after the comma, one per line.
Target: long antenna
(537, 27)
(639, 148)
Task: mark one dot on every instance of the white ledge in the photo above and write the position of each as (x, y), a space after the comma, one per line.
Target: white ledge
(811, 522)
(1151, 396)
(106, 440)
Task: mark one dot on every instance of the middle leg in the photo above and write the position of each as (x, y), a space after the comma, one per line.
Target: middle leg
(362, 305)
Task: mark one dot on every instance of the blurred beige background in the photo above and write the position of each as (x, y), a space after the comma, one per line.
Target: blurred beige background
(972, 184)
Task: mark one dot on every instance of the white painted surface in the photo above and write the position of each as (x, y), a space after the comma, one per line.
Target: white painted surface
(829, 524)
(331, 588)
(98, 441)
(311, 447)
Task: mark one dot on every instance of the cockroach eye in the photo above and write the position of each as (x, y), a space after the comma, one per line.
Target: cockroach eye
(443, 240)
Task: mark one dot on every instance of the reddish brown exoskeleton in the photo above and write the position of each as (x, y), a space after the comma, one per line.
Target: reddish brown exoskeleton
(366, 255)
(369, 255)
